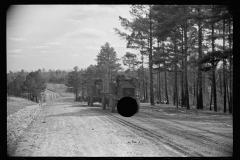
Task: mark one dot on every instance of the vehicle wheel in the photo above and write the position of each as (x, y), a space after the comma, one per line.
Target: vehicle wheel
(91, 100)
(88, 101)
(112, 105)
(138, 103)
(103, 103)
(107, 102)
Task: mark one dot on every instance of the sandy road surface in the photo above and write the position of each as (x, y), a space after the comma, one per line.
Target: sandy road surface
(75, 129)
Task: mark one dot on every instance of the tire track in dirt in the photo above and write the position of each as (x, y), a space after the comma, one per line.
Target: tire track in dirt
(105, 119)
(150, 135)
(195, 137)
(218, 144)
(191, 126)
(202, 140)
(199, 139)
(219, 134)
(154, 135)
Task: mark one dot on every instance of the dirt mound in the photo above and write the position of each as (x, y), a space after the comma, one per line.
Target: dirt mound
(17, 123)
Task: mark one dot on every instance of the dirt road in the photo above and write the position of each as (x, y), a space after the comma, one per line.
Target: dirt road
(66, 128)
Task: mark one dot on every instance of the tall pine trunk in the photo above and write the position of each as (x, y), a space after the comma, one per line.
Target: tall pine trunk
(227, 91)
(159, 82)
(176, 93)
(182, 79)
(108, 79)
(220, 83)
(197, 86)
(76, 92)
(194, 86)
(213, 71)
(211, 95)
(199, 93)
(224, 74)
(231, 69)
(214, 87)
(157, 98)
(144, 95)
(204, 88)
(146, 92)
(159, 79)
(151, 61)
(185, 57)
(166, 90)
(82, 91)
(230, 87)
(173, 89)
(175, 76)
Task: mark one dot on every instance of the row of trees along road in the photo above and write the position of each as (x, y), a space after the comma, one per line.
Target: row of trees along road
(180, 41)
(26, 85)
(50, 76)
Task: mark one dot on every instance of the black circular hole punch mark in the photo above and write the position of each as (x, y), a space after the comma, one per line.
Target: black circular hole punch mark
(127, 106)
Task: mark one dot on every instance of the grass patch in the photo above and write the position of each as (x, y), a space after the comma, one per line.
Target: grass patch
(14, 104)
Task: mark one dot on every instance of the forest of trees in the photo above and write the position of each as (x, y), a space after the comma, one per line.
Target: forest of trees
(185, 57)
(189, 50)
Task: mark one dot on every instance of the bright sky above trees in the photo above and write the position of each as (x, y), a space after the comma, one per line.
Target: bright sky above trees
(61, 36)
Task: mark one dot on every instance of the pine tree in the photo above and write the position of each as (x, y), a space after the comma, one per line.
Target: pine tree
(34, 85)
(74, 80)
(108, 62)
(130, 60)
(141, 24)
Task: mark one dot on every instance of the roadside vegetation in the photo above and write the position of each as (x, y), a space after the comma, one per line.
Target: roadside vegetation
(14, 104)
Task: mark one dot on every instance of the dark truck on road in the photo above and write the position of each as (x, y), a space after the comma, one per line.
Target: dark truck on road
(95, 92)
(123, 87)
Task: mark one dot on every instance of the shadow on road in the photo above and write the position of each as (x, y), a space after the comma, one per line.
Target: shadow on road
(85, 110)
(156, 112)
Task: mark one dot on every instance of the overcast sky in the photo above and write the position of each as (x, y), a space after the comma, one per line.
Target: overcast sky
(61, 36)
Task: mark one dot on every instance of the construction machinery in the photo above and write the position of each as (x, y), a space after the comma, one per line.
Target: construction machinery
(95, 92)
(123, 87)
